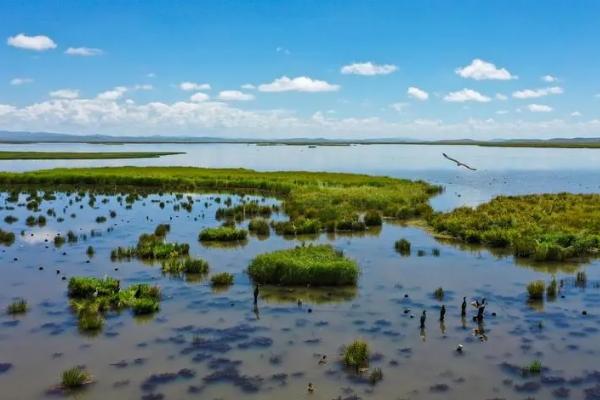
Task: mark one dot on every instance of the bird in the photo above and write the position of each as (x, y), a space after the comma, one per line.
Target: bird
(311, 388)
(323, 360)
(423, 317)
(458, 163)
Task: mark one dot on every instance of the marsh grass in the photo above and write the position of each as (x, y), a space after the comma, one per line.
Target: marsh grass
(19, 306)
(535, 368)
(222, 234)
(6, 238)
(161, 230)
(74, 378)
(402, 246)
(536, 290)
(185, 266)
(552, 289)
(375, 376)
(543, 227)
(334, 199)
(318, 265)
(221, 279)
(439, 294)
(373, 218)
(151, 247)
(259, 226)
(356, 355)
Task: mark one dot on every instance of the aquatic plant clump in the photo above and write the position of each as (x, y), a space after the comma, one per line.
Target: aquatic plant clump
(6, 238)
(327, 197)
(543, 227)
(222, 234)
(74, 378)
(185, 265)
(259, 226)
(536, 290)
(151, 247)
(222, 279)
(320, 265)
(402, 246)
(356, 354)
(18, 306)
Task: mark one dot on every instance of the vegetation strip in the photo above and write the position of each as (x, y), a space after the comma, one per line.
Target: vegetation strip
(48, 155)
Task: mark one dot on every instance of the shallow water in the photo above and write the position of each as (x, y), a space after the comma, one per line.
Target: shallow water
(499, 170)
(274, 352)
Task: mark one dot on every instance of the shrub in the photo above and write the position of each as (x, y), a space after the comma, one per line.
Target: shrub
(356, 354)
(535, 290)
(18, 306)
(318, 265)
(222, 279)
(74, 378)
(402, 246)
(222, 234)
(373, 218)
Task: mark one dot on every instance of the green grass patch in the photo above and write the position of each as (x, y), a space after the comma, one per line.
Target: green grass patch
(536, 290)
(542, 227)
(320, 265)
(259, 226)
(19, 306)
(151, 247)
(47, 155)
(6, 238)
(222, 234)
(185, 266)
(74, 378)
(221, 279)
(356, 354)
(402, 246)
(334, 199)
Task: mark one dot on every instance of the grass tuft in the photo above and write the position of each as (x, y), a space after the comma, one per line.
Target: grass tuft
(356, 354)
(222, 234)
(536, 290)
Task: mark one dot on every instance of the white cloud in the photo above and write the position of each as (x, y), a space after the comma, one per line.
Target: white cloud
(466, 95)
(192, 86)
(36, 43)
(283, 50)
(575, 114)
(248, 86)
(20, 81)
(199, 97)
(83, 51)
(399, 106)
(235, 95)
(539, 108)
(535, 93)
(368, 69)
(481, 70)
(65, 94)
(113, 94)
(501, 97)
(417, 93)
(549, 78)
(299, 84)
(145, 86)
(502, 112)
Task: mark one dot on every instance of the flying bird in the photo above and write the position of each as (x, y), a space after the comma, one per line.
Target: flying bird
(458, 163)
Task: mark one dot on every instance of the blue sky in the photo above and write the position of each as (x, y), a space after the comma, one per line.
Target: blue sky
(419, 69)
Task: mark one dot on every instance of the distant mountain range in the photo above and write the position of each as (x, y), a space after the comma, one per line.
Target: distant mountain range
(48, 137)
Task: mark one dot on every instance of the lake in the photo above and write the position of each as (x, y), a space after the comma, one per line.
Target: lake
(206, 343)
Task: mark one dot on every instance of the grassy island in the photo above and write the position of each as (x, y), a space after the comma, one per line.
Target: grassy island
(329, 198)
(51, 155)
(306, 265)
(544, 227)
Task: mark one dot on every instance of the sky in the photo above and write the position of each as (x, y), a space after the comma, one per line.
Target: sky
(280, 69)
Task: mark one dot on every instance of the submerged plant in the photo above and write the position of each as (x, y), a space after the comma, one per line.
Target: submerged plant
(552, 289)
(535, 368)
(536, 290)
(356, 354)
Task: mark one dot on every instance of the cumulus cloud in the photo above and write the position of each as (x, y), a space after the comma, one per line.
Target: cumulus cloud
(20, 81)
(549, 78)
(65, 94)
(464, 95)
(35, 43)
(199, 97)
(575, 114)
(235, 95)
(535, 93)
(417, 93)
(539, 108)
(83, 51)
(481, 70)
(193, 86)
(298, 84)
(368, 69)
(113, 94)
